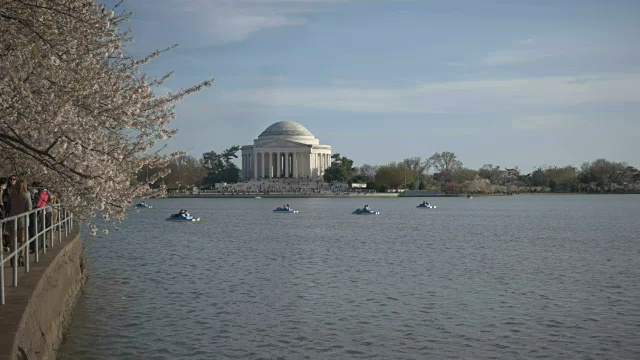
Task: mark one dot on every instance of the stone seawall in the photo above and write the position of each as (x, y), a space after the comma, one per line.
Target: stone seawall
(37, 312)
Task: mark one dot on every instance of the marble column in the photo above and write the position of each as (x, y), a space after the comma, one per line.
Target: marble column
(254, 163)
(259, 161)
(286, 164)
(247, 170)
(271, 165)
(266, 164)
(272, 162)
(324, 163)
(303, 172)
(294, 165)
(307, 164)
(279, 161)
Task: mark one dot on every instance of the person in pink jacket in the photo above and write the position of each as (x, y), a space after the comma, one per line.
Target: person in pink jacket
(42, 198)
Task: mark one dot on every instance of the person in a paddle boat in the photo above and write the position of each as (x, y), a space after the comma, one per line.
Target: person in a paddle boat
(425, 203)
(366, 208)
(287, 207)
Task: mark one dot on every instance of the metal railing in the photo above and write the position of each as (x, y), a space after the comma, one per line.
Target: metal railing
(20, 248)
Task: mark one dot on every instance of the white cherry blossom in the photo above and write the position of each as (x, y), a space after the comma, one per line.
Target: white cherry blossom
(75, 112)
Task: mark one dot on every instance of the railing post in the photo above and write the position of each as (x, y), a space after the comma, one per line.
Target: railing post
(37, 246)
(26, 243)
(54, 223)
(44, 232)
(15, 252)
(52, 229)
(60, 214)
(16, 256)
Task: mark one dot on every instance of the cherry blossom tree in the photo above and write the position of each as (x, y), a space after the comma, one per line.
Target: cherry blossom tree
(76, 113)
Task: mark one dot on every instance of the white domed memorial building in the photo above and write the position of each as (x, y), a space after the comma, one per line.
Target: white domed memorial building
(285, 149)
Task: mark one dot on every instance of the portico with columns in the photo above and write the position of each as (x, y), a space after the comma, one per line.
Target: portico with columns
(285, 149)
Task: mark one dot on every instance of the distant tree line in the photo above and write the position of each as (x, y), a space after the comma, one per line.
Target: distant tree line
(442, 171)
(187, 172)
(445, 172)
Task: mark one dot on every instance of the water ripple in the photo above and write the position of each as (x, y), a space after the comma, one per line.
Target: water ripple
(511, 277)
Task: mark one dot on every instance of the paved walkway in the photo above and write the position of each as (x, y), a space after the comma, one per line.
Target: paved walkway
(16, 298)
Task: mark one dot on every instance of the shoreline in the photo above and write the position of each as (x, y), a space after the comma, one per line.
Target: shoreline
(373, 195)
(302, 196)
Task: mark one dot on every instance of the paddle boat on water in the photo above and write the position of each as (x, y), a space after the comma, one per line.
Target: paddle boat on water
(182, 215)
(365, 211)
(426, 205)
(285, 210)
(143, 204)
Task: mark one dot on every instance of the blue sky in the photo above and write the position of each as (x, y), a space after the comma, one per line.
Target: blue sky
(507, 82)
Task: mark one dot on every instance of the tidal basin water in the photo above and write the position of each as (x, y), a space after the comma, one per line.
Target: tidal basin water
(497, 277)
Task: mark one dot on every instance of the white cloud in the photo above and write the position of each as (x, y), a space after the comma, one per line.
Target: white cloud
(452, 97)
(569, 49)
(457, 64)
(546, 121)
(211, 22)
(514, 56)
(525, 51)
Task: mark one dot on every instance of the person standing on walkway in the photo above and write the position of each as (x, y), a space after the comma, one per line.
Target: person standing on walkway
(20, 201)
(41, 199)
(6, 192)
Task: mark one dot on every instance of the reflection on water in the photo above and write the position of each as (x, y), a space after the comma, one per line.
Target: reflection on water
(507, 277)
